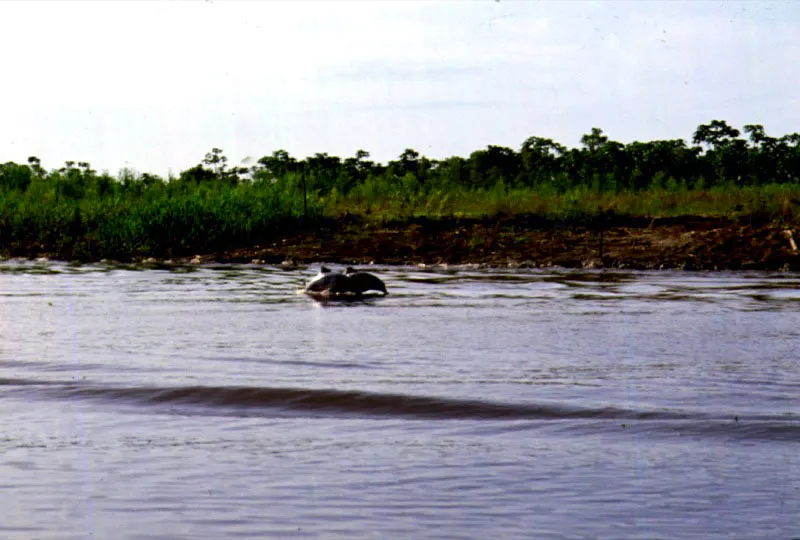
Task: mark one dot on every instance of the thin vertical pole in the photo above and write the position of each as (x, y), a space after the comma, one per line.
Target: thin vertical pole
(602, 230)
(305, 198)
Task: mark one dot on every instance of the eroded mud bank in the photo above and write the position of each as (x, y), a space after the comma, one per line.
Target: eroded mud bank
(691, 243)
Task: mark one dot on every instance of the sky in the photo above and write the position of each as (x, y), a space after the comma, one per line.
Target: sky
(155, 85)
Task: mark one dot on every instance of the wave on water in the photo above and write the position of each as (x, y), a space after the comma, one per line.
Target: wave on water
(323, 401)
(279, 401)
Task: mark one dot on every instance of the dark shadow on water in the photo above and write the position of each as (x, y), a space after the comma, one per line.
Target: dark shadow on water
(346, 300)
(325, 403)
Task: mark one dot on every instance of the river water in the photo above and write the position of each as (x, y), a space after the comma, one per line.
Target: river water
(217, 402)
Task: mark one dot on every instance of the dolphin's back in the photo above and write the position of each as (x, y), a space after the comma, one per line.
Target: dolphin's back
(361, 282)
(334, 282)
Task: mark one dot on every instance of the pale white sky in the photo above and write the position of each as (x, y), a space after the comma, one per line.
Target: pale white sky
(155, 85)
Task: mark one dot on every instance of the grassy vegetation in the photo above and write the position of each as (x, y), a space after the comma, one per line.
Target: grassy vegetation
(76, 213)
(779, 201)
(160, 221)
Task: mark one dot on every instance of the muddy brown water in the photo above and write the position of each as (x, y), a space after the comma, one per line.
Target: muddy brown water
(217, 402)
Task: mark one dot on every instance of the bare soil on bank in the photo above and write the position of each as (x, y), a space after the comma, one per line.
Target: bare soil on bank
(689, 243)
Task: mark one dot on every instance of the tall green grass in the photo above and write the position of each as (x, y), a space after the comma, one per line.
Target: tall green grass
(165, 224)
(778, 201)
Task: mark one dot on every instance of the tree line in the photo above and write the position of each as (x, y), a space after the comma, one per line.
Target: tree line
(718, 155)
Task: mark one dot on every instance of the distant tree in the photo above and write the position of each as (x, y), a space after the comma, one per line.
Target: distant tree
(276, 165)
(14, 177)
(661, 159)
(216, 161)
(213, 167)
(148, 179)
(493, 165)
(450, 172)
(726, 154)
(757, 135)
(406, 163)
(36, 166)
(715, 134)
(541, 159)
(197, 175)
(356, 170)
(594, 140)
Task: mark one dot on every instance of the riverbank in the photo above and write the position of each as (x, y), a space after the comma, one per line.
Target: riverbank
(689, 243)
(643, 243)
